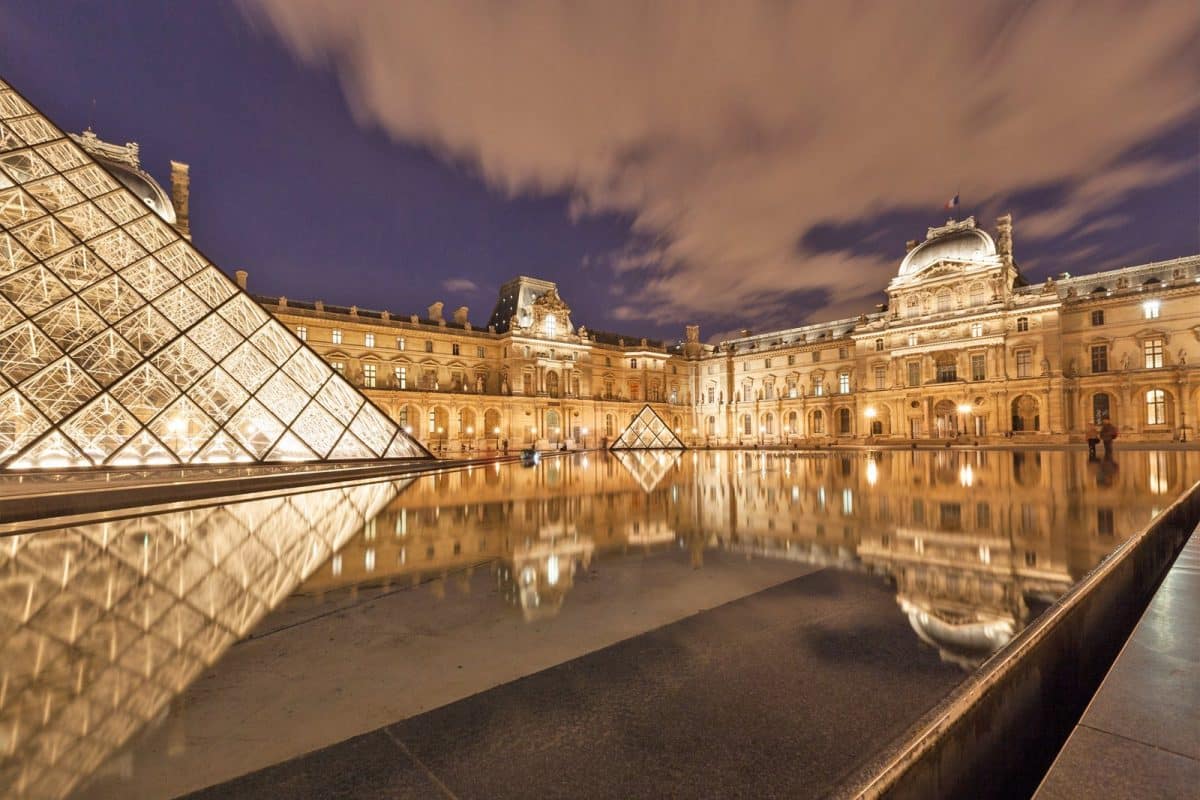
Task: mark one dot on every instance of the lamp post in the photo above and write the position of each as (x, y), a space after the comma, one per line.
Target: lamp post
(964, 412)
(761, 430)
(583, 432)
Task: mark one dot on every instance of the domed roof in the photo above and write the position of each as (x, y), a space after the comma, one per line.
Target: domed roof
(958, 244)
(145, 187)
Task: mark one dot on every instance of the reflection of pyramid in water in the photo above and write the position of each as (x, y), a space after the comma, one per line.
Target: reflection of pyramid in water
(648, 468)
(121, 344)
(647, 431)
(116, 619)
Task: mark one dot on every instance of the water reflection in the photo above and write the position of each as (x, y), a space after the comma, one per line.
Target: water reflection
(975, 543)
(101, 625)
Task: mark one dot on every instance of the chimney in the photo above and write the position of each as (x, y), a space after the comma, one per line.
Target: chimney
(240, 276)
(460, 315)
(180, 188)
(1004, 242)
(435, 311)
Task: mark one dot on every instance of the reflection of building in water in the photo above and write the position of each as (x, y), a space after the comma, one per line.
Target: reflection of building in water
(976, 543)
(533, 527)
(104, 624)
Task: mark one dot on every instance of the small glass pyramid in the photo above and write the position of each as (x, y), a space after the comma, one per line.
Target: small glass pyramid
(120, 344)
(648, 431)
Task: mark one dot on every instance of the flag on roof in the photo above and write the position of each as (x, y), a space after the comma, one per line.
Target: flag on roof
(952, 202)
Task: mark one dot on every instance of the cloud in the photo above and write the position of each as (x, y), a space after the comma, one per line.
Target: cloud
(460, 285)
(727, 135)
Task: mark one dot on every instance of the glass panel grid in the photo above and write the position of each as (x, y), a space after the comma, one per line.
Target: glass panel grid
(52, 198)
(647, 431)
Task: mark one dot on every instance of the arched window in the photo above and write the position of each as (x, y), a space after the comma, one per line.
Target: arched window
(1156, 407)
(912, 307)
(747, 425)
(978, 294)
(608, 424)
(843, 421)
(769, 424)
(710, 427)
(1101, 407)
(818, 422)
(793, 423)
(945, 301)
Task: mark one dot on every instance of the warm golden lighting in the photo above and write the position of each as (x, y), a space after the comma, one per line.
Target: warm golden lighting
(870, 412)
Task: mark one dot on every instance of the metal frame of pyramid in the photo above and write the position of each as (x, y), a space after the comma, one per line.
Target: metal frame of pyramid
(648, 431)
(122, 345)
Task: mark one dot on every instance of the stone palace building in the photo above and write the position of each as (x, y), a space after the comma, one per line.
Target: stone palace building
(965, 347)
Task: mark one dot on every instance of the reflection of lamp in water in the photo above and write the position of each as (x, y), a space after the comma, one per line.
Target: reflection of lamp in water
(966, 475)
(552, 570)
(872, 472)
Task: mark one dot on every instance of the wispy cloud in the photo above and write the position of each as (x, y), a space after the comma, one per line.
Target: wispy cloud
(727, 135)
(460, 285)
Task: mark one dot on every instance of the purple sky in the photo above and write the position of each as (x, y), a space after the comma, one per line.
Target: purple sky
(756, 169)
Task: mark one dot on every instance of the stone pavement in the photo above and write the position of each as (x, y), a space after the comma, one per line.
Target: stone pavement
(1140, 736)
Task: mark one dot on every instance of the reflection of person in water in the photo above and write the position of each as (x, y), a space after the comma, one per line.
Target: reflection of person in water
(1108, 432)
(1093, 439)
(1106, 472)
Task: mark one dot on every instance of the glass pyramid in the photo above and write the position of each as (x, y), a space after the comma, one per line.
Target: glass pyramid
(102, 625)
(120, 344)
(648, 431)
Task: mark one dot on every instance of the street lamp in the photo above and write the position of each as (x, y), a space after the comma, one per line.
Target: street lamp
(761, 430)
(963, 411)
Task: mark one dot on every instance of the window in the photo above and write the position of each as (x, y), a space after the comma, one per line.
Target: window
(747, 425)
(947, 369)
(978, 367)
(1022, 323)
(401, 374)
(976, 330)
(1099, 358)
(1097, 317)
(843, 352)
(479, 352)
(432, 423)
(368, 339)
(1024, 363)
(843, 420)
(338, 366)
(302, 333)
(428, 346)
(818, 422)
(1156, 407)
(633, 363)
(816, 355)
(607, 361)
(674, 394)
(454, 349)
(881, 377)
(791, 360)
(1151, 308)
(712, 394)
(769, 390)
(1153, 350)
(978, 294)
(745, 366)
(551, 325)
(335, 336)
(369, 371)
(914, 373)
(879, 345)
(608, 425)
(1101, 405)
(818, 387)
(912, 340)
(400, 343)
(945, 301)
(792, 391)
(844, 383)
(404, 425)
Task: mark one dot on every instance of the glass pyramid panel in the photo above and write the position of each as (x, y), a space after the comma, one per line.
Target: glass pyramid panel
(169, 361)
(647, 431)
(144, 449)
(184, 428)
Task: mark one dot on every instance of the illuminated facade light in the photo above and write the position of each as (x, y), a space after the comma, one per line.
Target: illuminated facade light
(122, 345)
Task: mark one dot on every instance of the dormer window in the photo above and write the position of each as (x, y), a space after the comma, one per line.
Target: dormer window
(1022, 324)
(551, 325)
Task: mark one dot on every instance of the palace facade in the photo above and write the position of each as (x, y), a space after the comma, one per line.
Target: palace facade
(965, 347)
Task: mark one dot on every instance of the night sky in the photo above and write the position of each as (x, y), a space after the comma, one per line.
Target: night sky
(759, 167)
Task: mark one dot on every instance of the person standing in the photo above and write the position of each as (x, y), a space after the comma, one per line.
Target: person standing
(1108, 432)
(1093, 439)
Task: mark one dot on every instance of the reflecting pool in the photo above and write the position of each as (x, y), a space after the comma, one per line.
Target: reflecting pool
(359, 605)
